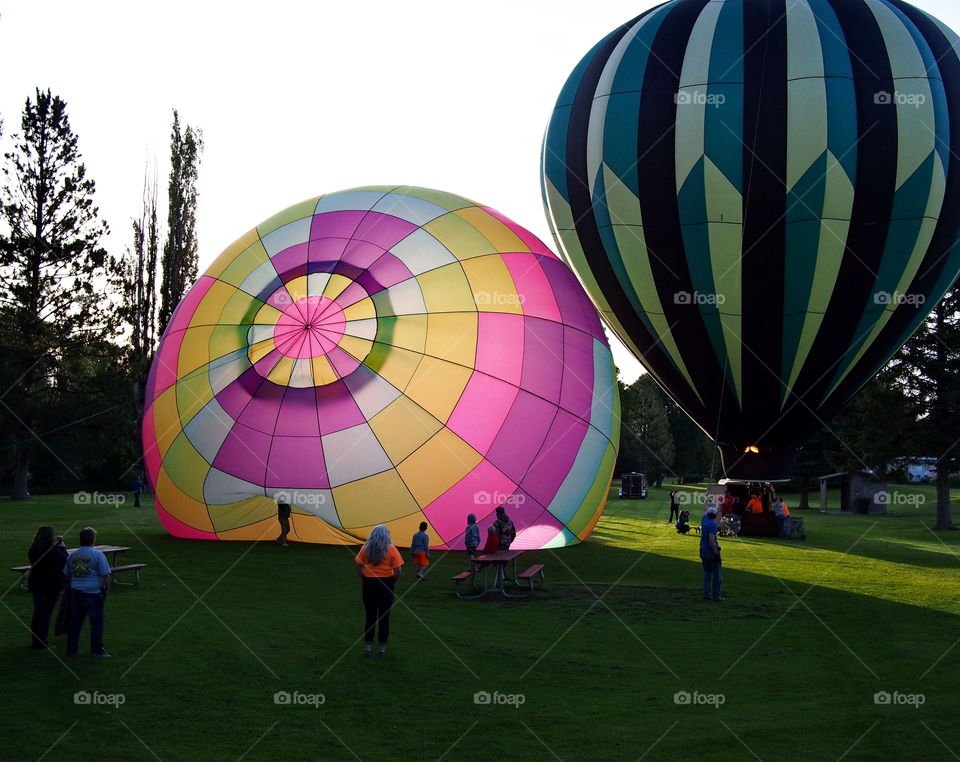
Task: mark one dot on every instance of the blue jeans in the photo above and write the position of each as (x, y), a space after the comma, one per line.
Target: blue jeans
(784, 522)
(43, 606)
(84, 605)
(711, 578)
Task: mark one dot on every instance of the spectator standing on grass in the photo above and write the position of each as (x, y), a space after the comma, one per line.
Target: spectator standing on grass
(710, 555)
(505, 529)
(471, 539)
(783, 516)
(471, 535)
(420, 548)
(47, 555)
(674, 507)
(378, 564)
(137, 489)
(88, 584)
(283, 516)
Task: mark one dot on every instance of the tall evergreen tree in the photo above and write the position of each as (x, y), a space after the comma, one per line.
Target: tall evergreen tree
(54, 271)
(139, 308)
(928, 368)
(179, 264)
(645, 441)
(140, 278)
(695, 455)
(877, 430)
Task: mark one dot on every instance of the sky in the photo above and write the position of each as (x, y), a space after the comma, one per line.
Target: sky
(298, 99)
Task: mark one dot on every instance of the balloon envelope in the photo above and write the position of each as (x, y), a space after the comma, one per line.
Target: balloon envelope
(383, 355)
(761, 197)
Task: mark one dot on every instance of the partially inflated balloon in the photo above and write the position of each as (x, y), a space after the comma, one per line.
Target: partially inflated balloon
(761, 197)
(383, 355)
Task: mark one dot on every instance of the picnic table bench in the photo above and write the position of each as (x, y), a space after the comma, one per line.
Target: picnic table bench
(112, 550)
(527, 581)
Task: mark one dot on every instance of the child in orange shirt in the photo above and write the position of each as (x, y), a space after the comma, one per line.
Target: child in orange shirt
(420, 547)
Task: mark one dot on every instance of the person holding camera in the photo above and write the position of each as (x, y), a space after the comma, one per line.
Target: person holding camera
(47, 556)
(674, 507)
(88, 584)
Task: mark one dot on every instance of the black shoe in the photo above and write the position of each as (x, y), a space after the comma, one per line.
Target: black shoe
(102, 655)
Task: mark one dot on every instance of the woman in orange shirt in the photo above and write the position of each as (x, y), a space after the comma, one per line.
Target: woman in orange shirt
(378, 564)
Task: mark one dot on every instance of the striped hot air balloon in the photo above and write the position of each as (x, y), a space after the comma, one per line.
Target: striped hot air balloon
(762, 197)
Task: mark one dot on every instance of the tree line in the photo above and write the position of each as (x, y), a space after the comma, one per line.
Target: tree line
(78, 323)
(79, 326)
(909, 411)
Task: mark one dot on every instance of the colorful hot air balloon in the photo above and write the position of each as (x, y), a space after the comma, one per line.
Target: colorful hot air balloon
(383, 355)
(762, 197)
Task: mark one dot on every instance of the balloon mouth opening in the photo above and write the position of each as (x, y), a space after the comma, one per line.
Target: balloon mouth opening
(310, 334)
(755, 463)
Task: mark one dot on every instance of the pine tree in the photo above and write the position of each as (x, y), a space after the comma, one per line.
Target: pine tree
(54, 271)
(138, 284)
(179, 264)
(139, 280)
(928, 368)
(646, 443)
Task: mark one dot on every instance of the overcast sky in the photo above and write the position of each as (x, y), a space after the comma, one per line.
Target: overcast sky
(296, 99)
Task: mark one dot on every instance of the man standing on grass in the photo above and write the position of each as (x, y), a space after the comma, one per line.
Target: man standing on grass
(283, 516)
(505, 529)
(710, 555)
(88, 583)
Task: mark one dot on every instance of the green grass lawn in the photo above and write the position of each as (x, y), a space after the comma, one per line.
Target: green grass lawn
(810, 632)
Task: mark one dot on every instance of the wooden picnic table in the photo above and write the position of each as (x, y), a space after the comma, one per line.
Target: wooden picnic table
(112, 550)
(499, 561)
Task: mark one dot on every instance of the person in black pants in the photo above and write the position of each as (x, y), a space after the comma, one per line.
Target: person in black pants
(47, 556)
(674, 507)
(283, 517)
(378, 565)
